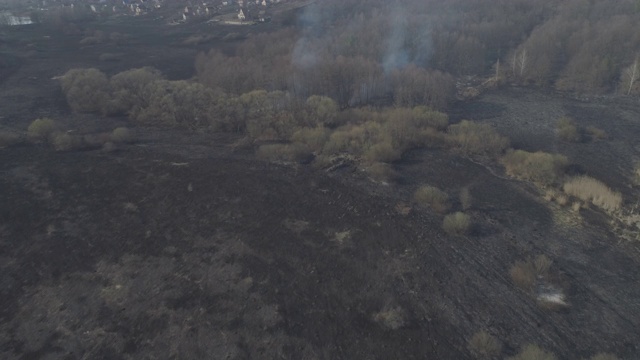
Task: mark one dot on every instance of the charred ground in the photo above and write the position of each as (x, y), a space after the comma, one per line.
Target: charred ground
(184, 245)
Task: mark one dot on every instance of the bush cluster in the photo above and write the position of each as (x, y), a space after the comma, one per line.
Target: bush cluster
(539, 167)
(477, 139)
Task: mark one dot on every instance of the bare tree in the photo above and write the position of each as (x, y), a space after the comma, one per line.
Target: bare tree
(630, 75)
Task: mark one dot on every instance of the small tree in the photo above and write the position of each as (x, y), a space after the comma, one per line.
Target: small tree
(629, 77)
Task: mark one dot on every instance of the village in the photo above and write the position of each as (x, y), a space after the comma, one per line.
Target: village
(175, 12)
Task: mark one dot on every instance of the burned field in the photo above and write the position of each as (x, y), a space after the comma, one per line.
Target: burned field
(185, 245)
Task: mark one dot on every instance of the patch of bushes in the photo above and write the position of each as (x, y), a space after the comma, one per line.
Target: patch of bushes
(315, 138)
(432, 197)
(87, 90)
(594, 191)
(533, 352)
(567, 129)
(457, 223)
(539, 167)
(477, 139)
(484, 346)
(41, 129)
(382, 172)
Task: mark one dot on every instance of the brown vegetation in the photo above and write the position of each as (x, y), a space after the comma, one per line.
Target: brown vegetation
(432, 197)
(533, 352)
(484, 346)
(477, 139)
(457, 223)
(568, 130)
(539, 167)
(41, 129)
(593, 191)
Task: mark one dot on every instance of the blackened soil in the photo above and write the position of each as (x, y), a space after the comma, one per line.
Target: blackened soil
(183, 246)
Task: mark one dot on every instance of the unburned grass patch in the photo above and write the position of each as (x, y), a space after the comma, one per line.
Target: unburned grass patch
(594, 191)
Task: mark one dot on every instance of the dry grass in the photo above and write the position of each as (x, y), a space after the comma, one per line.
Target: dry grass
(382, 172)
(539, 167)
(594, 191)
(392, 318)
(432, 197)
(8, 139)
(542, 264)
(523, 274)
(456, 224)
(596, 133)
(533, 352)
(484, 346)
(284, 152)
(568, 130)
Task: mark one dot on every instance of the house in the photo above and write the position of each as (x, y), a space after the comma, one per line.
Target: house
(243, 14)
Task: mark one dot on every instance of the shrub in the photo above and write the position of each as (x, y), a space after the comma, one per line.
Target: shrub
(122, 135)
(87, 90)
(533, 352)
(540, 167)
(591, 190)
(382, 152)
(542, 264)
(484, 346)
(63, 141)
(604, 356)
(285, 152)
(381, 172)
(322, 110)
(567, 129)
(8, 139)
(110, 57)
(477, 139)
(456, 224)
(41, 129)
(314, 138)
(465, 198)
(433, 197)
